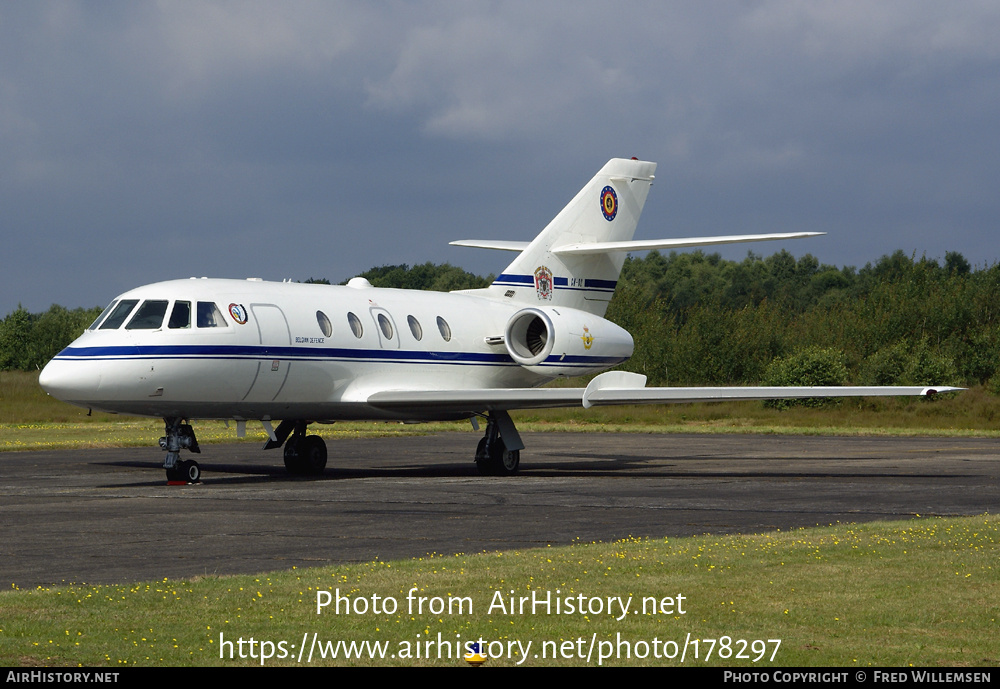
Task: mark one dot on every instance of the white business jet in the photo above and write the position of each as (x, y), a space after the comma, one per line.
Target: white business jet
(302, 353)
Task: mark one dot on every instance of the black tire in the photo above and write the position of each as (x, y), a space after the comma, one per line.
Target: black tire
(483, 462)
(190, 471)
(499, 462)
(293, 462)
(312, 455)
(186, 471)
(508, 462)
(305, 457)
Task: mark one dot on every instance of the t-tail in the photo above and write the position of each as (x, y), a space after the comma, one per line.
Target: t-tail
(548, 273)
(576, 260)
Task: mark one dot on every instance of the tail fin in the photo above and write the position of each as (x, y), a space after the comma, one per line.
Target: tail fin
(607, 209)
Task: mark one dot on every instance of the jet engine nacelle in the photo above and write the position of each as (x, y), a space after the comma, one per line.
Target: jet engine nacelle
(558, 341)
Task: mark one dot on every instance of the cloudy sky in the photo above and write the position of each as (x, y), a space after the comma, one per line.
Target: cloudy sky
(142, 141)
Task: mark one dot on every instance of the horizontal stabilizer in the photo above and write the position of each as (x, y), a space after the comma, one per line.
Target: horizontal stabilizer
(648, 244)
(491, 244)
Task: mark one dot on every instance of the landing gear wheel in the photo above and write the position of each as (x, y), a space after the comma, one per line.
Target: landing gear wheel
(509, 462)
(483, 463)
(312, 455)
(305, 456)
(292, 461)
(185, 472)
(191, 471)
(496, 460)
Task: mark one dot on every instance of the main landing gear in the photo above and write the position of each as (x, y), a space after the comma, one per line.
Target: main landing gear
(499, 452)
(180, 436)
(305, 455)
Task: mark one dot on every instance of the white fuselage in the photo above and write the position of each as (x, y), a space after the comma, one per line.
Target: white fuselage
(289, 350)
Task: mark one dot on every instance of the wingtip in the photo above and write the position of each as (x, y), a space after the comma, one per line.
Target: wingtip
(938, 390)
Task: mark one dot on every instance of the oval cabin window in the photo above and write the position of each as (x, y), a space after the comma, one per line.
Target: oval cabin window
(415, 328)
(324, 324)
(355, 325)
(444, 328)
(385, 325)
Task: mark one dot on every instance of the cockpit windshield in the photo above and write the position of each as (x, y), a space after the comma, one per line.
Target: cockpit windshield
(149, 316)
(105, 312)
(119, 314)
(180, 317)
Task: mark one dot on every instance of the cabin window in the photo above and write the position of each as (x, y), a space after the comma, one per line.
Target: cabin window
(444, 328)
(209, 316)
(385, 325)
(324, 324)
(415, 328)
(355, 325)
(105, 312)
(149, 316)
(180, 317)
(119, 315)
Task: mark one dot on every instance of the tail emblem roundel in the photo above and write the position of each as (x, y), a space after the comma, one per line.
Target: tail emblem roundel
(609, 203)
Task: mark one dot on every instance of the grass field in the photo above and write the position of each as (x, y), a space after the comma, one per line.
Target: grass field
(920, 592)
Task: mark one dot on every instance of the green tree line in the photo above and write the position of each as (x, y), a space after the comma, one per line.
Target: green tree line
(29, 340)
(699, 319)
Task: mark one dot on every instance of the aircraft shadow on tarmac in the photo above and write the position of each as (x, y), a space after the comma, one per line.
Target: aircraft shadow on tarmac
(620, 466)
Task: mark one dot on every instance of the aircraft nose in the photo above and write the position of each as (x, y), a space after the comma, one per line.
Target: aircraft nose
(75, 382)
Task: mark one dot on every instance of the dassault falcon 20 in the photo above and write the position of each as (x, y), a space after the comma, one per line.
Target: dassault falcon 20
(301, 353)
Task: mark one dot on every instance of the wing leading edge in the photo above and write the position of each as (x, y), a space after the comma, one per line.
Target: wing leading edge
(617, 387)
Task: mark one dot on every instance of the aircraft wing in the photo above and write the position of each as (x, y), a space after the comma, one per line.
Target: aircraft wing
(476, 400)
(617, 387)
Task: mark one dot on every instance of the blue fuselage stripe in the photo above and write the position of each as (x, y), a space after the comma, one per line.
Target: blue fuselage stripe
(575, 284)
(313, 354)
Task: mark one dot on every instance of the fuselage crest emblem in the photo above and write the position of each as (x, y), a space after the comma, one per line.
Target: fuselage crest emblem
(543, 282)
(239, 313)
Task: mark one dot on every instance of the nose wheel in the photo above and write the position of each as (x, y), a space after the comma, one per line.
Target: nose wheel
(186, 471)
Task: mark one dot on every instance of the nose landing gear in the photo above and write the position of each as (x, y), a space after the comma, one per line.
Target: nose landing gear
(180, 436)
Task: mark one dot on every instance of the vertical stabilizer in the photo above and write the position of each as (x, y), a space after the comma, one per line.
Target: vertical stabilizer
(607, 209)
